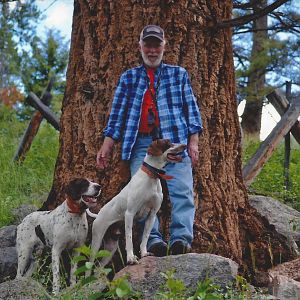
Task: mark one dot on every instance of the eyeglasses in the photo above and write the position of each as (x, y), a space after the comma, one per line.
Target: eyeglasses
(152, 44)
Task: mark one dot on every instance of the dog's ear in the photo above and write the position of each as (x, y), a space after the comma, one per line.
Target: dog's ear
(165, 144)
(158, 147)
(76, 188)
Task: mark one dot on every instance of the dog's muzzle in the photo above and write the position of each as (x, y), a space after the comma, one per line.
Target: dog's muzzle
(91, 201)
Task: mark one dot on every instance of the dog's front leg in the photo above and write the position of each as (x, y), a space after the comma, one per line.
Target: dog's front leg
(131, 258)
(110, 245)
(98, 232)
(146, 233)
(26, 263)
(55, 270)
(73, 269)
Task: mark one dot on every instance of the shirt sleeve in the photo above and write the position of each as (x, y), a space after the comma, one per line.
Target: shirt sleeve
(191, 109)
(115, 125)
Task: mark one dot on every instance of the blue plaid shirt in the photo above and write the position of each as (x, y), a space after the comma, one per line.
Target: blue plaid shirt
(179, 115)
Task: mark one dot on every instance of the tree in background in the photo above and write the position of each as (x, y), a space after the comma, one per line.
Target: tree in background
(273, 58)
(256, 75)
(26, 61)
(104, 43)
(18, 24)
(10, 95)
(47, 58)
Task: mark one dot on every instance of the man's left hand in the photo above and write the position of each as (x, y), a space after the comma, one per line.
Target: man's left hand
(193, 149)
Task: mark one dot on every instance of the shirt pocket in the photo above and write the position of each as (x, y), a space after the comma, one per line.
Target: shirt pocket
(173, 94)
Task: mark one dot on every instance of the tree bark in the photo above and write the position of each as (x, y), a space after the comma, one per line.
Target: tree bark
(104, 43)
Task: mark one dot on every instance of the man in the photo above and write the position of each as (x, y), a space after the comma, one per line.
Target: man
(155, 100)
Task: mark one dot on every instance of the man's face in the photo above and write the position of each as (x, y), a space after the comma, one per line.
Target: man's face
(152, 50)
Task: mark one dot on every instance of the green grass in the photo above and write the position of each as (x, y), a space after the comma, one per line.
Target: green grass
(29, 182)
(270, 181)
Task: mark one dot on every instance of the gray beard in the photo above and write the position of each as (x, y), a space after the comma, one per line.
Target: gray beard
(150, 64)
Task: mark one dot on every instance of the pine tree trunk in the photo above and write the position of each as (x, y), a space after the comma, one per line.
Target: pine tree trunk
(256, 90)
(105, 43)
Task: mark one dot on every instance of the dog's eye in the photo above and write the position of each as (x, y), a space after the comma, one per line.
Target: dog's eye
(168, 145)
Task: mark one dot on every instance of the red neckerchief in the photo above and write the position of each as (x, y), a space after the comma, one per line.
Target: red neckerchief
(74, 208)
(148, 103)
(154, 172)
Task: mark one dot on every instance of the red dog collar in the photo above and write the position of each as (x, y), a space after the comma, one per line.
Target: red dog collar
(154, 172)
(74, 208)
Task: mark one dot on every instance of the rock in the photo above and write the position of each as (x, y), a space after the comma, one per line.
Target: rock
(285, 219)
(284, 288)
(85, 291)
(8, 263)
(290, 269)
(8, 254)
(22, 289)
(190, 268)
(284, 280)
(8, 236)
(21, 212)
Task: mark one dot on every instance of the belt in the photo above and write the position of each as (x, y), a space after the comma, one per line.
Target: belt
(144, 134)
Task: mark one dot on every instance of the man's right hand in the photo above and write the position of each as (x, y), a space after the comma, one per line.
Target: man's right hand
(104, 153)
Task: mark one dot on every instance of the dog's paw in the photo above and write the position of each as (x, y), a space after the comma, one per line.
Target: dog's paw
(147, 254)
(132, 260)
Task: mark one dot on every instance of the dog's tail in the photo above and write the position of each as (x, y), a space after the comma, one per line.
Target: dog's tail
(91, 214)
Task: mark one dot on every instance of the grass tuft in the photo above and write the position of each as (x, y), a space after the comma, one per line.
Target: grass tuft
(30, 181)
(270, 181)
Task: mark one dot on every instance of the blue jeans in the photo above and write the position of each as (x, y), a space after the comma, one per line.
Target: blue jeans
(180, 192)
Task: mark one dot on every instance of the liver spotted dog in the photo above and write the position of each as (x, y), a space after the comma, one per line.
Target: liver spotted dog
(63, 228)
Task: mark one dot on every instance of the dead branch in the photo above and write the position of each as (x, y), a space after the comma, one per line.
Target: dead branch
(45, 111)
(246, 19)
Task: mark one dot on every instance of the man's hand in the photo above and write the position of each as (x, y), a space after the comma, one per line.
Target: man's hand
(104, 153)
(193, 149)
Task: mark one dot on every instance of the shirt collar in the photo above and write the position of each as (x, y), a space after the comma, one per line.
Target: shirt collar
(157, 71)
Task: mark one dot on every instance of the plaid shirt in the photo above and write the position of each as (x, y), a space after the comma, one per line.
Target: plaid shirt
(179, 115)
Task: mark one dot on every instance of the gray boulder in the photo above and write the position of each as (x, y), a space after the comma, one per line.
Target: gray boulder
(284, 280)
(8, 254)
(285, 288)
(285, 219)
(190, 268)
(22, 289)
(8, 236)
(8, 263)
(22, 211)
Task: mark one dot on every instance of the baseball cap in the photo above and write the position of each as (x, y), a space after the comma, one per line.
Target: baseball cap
(152, 30)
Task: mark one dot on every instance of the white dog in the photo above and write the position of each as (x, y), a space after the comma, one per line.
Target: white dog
(141, 197)
(63, 228)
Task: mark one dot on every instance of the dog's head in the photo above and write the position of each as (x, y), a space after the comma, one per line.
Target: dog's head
(83, 191)
(166, 150)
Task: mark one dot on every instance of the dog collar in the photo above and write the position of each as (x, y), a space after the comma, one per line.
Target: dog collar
(74, 208)
(154, 172)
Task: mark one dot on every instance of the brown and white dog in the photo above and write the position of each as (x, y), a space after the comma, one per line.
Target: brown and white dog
(63, 228)
(141, 197)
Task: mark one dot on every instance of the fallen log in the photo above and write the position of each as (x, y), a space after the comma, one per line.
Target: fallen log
(281, 104)
(33, 126)
(44, 110)
(255, 164)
